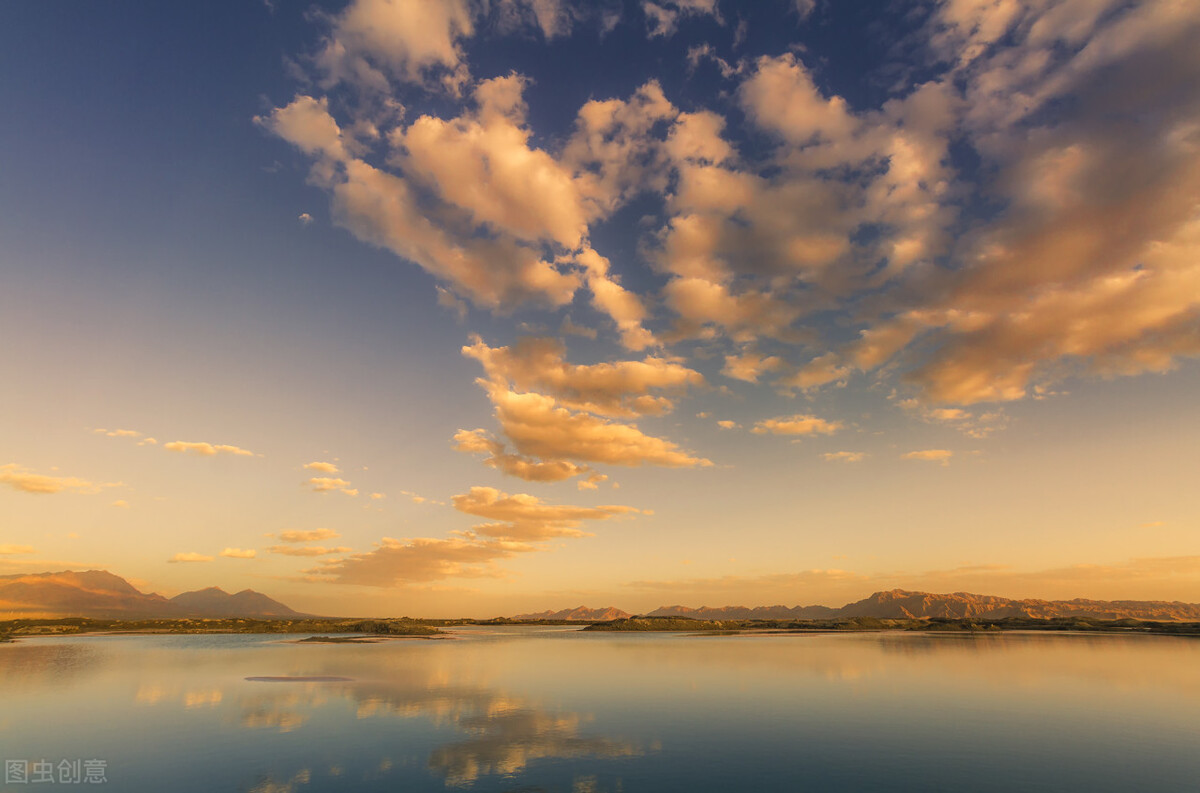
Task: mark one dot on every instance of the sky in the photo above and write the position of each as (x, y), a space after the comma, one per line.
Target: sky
(454, 307)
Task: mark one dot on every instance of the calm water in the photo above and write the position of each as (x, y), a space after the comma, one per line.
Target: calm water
(547, 709)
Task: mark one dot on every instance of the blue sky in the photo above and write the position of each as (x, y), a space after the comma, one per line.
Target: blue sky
(531, 303)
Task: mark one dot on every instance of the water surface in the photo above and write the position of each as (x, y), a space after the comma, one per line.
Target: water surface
(552, 709)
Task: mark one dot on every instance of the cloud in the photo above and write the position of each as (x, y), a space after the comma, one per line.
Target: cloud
(526, 518)
(330, 484)
(799, 424)
(495, 271)
(749, 366)
(540, 428)
(728, 424)
(305, 218)
(527, 468)
(12, 550)
(620, 388)
(308, 535)
(399, 562)
(931, 455)
(120, 504)
(190, 556)
(239, 553)
(307, 550)
(325, 468)
(119, 433)
(844, 457)
(592, 482)
(20, 478)
(206, 449)
(418, 41)
(663, 16)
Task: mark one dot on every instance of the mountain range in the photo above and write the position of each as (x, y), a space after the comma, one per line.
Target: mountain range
(580, 614)
(903, 604)
(100, 594)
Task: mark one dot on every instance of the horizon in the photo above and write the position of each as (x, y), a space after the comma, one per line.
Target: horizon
(463, 308)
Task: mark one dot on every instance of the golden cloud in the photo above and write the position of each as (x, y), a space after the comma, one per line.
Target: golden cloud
(239, 553)
(931, 455)
(307, 550)
(799, 424)
(206, 449)
(330, 484)
(399, 562)
(308, 535)
(190, 556)
(21, 478)
(526, 518)
(325, 468)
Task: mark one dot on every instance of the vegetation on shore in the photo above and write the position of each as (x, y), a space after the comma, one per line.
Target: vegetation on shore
(405, 626)
(402, 626)
(936, 624)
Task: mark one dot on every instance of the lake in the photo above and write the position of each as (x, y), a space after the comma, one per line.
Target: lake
(553, 709)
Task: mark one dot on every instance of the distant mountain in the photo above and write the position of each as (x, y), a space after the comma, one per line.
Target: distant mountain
(900, 603)
(580, 614)
(903, 604)
(216, 602)
(98, 593)
(747, 613)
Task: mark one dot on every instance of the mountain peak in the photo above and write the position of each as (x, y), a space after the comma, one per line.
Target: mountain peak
(99, 593)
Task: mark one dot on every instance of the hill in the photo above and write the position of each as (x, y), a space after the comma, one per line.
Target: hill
(579, 614)
(904, 604)
(99, 593)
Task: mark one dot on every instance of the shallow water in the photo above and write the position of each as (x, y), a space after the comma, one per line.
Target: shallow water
(552, 709)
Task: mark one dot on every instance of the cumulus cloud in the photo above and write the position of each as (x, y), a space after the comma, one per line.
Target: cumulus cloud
(526, 518)
(190, 556)
(206, 449)
(325, 468)
(539, 427)
(527, 468)
(749, 365)
(620, 389)
(373, 41)
(308, 535)
(799, 424)
(728, 424)
(20, 478)
(239, 553)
